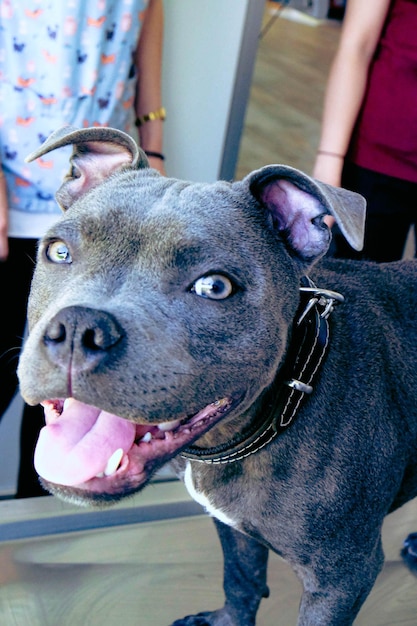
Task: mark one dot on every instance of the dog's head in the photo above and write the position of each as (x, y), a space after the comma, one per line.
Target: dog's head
(160, 309)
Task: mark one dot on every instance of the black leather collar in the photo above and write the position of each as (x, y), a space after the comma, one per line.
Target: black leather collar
(308, 346)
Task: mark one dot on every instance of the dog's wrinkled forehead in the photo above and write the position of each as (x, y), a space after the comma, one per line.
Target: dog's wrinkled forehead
(142, 195)
(140, 213)
(290, 203)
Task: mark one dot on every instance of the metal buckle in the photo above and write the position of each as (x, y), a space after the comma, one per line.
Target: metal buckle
(324, 298)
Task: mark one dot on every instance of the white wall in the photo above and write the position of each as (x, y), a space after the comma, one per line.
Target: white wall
(205, 43)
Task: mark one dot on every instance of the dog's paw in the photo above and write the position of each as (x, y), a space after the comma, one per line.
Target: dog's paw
(194, 620)
(409, 552)
(208, 618)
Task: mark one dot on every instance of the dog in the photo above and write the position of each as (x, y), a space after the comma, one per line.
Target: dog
(202, 324)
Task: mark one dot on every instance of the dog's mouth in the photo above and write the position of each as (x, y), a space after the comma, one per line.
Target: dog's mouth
(94, 451)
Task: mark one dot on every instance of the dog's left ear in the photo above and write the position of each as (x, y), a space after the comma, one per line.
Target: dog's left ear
(297, 205)
(97, 152)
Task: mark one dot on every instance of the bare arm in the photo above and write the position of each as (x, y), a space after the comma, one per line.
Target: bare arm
(4, 244)
(149, 68)
(346, 85)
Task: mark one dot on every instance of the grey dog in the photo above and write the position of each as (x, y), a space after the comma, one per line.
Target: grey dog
(199, 324)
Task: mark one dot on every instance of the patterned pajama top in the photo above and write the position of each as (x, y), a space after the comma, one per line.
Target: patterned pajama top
(61, 62)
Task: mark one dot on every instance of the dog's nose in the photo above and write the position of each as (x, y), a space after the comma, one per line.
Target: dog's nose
(81, 337)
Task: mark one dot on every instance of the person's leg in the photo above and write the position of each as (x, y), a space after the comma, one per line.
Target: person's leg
(389, 215)
(28, 485)
(415, 234)
(15, 278)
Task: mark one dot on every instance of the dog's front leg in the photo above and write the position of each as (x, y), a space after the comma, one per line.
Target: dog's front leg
(245, 567)
(335, 590)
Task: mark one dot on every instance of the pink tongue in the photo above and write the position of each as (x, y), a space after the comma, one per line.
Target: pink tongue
(77, 446)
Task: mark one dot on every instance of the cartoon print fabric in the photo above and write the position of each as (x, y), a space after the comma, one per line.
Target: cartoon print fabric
(61, 62)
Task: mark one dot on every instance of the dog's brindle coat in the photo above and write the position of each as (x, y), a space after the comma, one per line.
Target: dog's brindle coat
(157, 300)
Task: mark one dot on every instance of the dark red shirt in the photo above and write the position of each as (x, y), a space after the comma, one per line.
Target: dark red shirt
(385, 135)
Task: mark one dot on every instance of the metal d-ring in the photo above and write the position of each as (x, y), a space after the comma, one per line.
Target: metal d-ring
(325, 297)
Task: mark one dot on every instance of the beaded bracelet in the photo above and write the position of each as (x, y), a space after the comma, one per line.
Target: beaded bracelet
(155, 155)
(159, 114)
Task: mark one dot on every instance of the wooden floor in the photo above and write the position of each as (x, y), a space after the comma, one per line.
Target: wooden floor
(284, 112)
(153, 572)
(150, 573)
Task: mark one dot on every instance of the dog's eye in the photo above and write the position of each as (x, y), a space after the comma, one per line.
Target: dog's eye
(213, 286)
(58, 252)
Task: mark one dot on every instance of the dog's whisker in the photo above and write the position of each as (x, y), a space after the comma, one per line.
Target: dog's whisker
(12, 357)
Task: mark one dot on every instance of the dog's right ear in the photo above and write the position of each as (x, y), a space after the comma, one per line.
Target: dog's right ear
(297, 204)
(97, 152)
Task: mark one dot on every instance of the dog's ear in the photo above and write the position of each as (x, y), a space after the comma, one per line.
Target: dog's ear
(297, 205)
(97, 152)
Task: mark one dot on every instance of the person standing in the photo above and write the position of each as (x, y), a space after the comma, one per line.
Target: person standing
(368, 138)
(82, 63)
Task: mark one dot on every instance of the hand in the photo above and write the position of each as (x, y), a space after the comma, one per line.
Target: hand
(328, 169)
(329, 220)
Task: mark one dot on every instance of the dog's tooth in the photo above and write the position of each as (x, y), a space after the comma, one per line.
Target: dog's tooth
(146, 437)
(164, 426)
(113, 462)
(67, 402)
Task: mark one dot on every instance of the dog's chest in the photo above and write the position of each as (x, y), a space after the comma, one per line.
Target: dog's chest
(204, 499)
